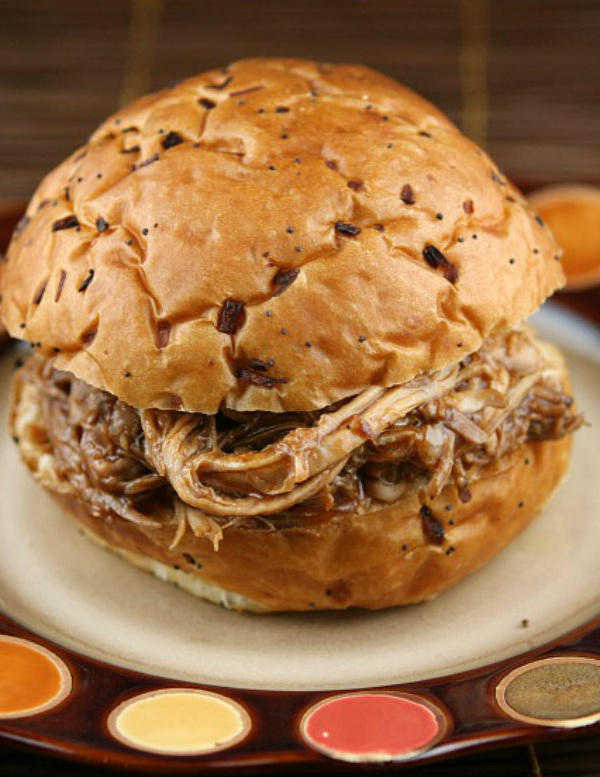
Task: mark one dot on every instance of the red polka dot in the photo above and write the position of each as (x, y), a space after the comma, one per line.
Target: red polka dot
(373, 726)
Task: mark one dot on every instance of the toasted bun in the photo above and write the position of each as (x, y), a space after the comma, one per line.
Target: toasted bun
(135, 250)
(330, 561)
(188, 581)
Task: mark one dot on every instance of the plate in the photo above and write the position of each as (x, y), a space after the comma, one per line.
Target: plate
(131, 647)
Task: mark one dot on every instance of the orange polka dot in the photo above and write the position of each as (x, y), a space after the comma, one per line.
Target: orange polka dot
(32, 679)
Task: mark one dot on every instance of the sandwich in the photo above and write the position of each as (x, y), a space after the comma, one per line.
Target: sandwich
(279, 350)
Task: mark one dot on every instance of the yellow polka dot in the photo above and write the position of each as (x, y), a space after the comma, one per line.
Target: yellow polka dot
(179, 722)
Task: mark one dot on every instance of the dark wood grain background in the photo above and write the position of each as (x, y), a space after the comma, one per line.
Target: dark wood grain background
(522, 77)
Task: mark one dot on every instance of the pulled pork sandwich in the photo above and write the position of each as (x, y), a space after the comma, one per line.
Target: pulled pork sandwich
(276, 315)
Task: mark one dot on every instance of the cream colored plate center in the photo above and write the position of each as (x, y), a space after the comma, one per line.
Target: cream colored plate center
(57, 583)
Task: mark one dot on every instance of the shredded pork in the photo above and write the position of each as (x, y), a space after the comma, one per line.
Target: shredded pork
(359, 455)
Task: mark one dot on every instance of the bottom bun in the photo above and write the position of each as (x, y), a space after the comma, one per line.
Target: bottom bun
(188, 581)
(390, 557)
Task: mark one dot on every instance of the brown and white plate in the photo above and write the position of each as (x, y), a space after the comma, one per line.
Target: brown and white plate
(101, 662)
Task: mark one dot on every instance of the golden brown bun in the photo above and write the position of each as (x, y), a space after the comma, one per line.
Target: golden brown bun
(329, 561)
(188, 581)
(274, 154)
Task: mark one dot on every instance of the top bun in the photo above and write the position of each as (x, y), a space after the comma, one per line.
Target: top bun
(275, 235)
